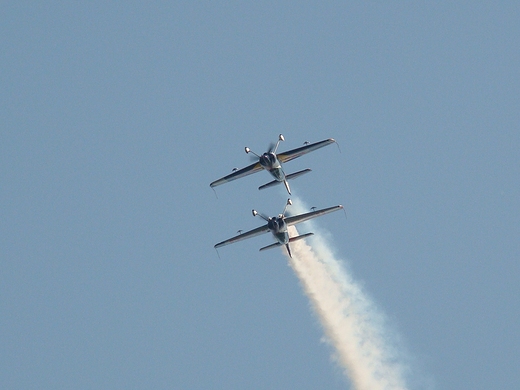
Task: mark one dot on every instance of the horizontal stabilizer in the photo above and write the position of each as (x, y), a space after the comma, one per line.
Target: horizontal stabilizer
(276, 244)
(287, 177)
(297, 174)
(300, 237)
(270, 184)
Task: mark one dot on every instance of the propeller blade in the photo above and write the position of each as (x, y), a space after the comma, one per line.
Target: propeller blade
(263, 216)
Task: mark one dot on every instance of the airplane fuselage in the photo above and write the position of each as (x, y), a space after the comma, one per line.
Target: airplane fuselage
(278, 228)
(270, 163)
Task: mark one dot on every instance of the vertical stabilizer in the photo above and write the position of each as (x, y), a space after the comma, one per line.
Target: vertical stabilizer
(287, 186)
(288, 250)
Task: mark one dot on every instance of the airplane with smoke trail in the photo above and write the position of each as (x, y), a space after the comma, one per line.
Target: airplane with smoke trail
(272, 162)
(278, 227)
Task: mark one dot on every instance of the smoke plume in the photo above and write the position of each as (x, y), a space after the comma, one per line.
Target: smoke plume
(352, 323)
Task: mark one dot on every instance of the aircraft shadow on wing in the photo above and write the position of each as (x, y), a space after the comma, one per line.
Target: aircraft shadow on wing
(272, 162)
(278, 227)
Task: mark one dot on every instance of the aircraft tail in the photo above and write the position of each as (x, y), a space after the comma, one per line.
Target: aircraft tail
(275, 182)
(270, 184)
(292, 239)
(287, 177)
(297, 174)
(276, 244)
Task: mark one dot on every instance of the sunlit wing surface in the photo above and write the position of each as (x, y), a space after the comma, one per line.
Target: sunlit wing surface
(243, 236)
(255, 167)
(313, 214)
(292, 154)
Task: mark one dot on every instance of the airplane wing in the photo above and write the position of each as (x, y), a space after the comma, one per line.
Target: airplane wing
(292, 154)
(255, 167)
(313, 214)
(243, 236)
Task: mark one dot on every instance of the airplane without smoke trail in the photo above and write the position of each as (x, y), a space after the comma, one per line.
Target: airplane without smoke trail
(278, 227)
(272, 162)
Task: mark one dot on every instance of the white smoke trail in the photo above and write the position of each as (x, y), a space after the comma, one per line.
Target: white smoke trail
(352, 323)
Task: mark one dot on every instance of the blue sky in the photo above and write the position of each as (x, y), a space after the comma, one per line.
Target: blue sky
(115, 119)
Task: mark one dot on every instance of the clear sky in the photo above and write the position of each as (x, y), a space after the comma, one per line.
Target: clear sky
(114, 119)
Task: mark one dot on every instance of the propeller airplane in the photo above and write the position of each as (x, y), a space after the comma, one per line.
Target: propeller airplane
(278, 227)
(272, 162)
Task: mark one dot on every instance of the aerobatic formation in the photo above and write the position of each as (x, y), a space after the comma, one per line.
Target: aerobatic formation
(278, 225)
(368, 354)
